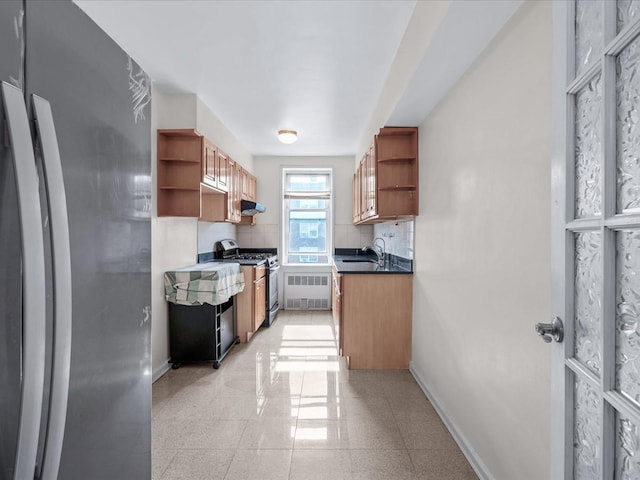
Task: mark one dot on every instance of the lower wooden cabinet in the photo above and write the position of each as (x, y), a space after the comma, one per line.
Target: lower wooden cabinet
(260, 302)
(373, 317)
(251, 302)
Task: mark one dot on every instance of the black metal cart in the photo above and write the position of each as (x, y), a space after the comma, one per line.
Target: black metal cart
(200, 333)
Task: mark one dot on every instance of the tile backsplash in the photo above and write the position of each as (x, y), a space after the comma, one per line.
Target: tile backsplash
(263, 235)
(352, 236)
(268, 236)
(209, 233)
(397, 236)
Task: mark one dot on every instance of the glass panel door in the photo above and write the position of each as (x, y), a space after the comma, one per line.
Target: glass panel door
(596, 246)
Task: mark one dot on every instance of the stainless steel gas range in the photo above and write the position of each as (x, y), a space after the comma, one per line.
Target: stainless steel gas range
(229, 250)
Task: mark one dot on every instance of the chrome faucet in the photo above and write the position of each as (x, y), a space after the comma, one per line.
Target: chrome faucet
(377, 249)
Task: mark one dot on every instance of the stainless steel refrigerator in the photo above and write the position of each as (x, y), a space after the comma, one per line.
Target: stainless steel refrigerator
(75, 240)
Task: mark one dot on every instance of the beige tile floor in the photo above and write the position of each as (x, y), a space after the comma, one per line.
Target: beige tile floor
(284, 407)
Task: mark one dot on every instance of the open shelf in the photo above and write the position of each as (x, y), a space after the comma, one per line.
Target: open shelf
(397, 160)
(180, 132)
(179, 159)
(178, 203)
(213, 204)
(385, 184)
(173, 187)
(397, 187)
(397, 131)
(179, 172)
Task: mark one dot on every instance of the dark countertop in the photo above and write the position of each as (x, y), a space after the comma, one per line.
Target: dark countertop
(210, 257)
(393, 265)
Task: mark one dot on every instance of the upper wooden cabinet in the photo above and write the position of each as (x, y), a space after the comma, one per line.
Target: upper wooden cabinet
(388, 177)
(179, 172)
(210, 165)
(233, 197)
(249, 184)
(356, 197)
(197, 179)
(223, 171)
(364, 188)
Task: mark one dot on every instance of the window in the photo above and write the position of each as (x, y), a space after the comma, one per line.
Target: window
(307, 215)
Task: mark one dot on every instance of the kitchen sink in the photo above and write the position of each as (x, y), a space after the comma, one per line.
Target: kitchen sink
(359, 260)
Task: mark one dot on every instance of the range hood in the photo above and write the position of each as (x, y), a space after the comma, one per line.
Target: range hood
(249, 208)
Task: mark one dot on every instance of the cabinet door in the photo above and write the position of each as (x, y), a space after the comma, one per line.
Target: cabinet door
(371, 179)
(363, 189)
(238, 194)
(253, 187)
(223, 171)
(354, 199)
(235, 191)
(210, 165)
(260, 298)
(231, 199)
(244, 181)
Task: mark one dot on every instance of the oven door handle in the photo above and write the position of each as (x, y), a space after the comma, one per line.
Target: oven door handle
(274, 269)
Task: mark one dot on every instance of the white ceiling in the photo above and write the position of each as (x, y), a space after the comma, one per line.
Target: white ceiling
(318, 67)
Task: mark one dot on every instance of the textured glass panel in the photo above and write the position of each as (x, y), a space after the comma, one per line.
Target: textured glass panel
(588, 148)
(628, 128)
(627, 449)
(587, 454)
(589, 36)
(587, 299)
(628, 314)
(628, 12)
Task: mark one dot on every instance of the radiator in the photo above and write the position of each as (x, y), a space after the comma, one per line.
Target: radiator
(307, 291)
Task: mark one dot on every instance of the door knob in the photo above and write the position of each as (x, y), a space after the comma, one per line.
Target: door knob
(551, 331)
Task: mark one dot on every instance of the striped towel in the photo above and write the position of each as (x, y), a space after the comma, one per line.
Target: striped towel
(212, 283)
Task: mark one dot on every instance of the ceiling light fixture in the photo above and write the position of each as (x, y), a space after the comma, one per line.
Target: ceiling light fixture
(287, 136)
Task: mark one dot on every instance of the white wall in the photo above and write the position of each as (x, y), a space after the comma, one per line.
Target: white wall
(423, 25)
(174, 240)
(268, 170)
(211, 127)
(177, 241)
(482, 260)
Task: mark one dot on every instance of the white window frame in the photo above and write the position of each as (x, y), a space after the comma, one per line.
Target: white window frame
(286, 211)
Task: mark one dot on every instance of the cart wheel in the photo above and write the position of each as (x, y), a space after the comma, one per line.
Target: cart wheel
(216, 365)
(175, 366)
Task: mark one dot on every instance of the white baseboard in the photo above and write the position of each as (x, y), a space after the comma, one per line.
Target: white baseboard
(472, 457)
(161, 370)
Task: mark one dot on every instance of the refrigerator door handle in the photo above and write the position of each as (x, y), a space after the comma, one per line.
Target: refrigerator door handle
(61, 250)
(33, 279)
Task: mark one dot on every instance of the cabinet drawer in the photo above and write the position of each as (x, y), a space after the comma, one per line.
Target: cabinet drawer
(259, 271)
